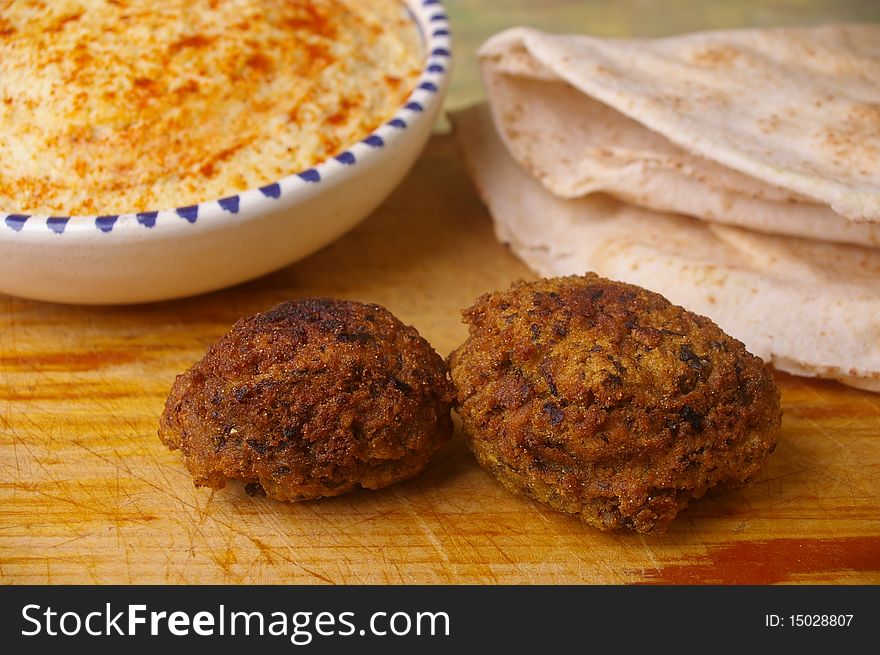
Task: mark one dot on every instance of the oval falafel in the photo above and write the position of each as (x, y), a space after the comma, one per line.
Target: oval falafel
(312, 398)
(604, 400)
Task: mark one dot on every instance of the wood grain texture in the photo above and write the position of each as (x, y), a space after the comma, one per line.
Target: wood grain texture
(89, 495)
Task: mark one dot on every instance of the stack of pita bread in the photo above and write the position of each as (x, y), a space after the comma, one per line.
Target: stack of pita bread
(736, 172)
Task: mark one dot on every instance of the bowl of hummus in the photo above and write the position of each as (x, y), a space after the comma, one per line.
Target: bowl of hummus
(152, 150)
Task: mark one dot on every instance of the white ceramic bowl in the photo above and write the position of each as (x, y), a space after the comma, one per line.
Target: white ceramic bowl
(166, 254)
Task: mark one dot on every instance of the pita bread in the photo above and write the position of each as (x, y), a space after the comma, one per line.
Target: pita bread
(794, 108)
(575, 145)
(808, 307)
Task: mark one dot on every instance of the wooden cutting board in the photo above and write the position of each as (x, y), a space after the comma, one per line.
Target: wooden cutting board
(89, 495)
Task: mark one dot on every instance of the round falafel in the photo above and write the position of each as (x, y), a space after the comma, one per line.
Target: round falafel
(312, 398)
(604, 400)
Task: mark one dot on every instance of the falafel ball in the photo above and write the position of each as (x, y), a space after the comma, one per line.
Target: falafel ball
(606, 401)
(312, 398)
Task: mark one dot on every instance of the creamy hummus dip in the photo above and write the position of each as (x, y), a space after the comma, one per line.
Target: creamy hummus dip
(131, 105)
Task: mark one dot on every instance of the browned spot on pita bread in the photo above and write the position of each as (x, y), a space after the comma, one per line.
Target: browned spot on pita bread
(770, 124)
(847, 139)
(867, 116)
(719, 55)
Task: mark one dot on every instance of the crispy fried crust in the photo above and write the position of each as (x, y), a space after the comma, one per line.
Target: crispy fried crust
(604, 400)
(311, 399)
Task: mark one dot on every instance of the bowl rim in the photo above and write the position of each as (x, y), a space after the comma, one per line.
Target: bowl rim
(430, 19)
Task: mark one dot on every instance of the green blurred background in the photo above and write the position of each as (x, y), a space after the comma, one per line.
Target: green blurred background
(475, 20)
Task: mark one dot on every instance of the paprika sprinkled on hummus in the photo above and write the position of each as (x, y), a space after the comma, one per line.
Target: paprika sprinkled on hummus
(125, 106)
